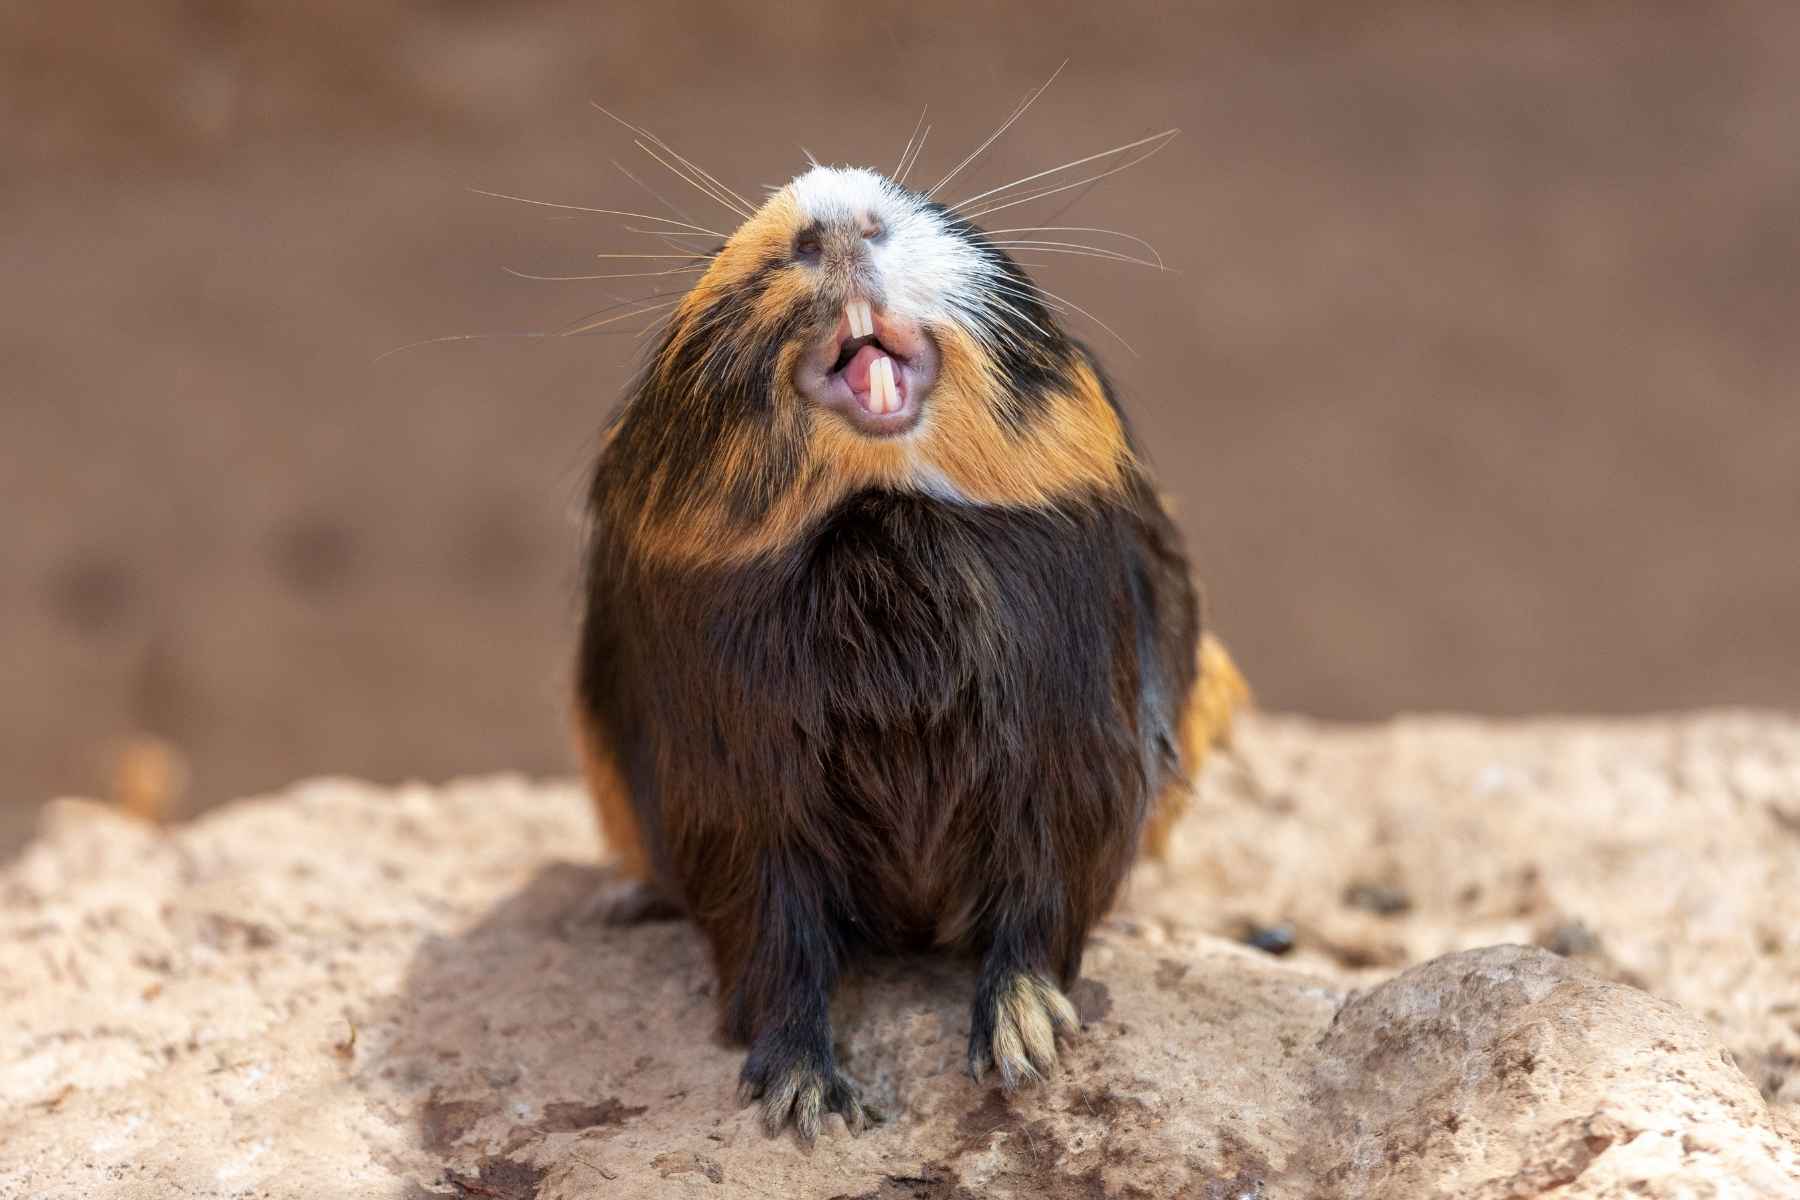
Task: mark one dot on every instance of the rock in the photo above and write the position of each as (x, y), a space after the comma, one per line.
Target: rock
(354, 991)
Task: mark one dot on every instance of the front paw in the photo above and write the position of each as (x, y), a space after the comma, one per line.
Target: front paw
(1014, 1028)
(802, 1087)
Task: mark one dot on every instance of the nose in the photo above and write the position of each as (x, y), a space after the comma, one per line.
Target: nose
(850, 238)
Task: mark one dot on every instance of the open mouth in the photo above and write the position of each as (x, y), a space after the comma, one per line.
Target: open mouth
(874, 369)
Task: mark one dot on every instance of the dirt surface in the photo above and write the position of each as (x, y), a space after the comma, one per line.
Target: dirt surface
(346, 990)
(1475, 385)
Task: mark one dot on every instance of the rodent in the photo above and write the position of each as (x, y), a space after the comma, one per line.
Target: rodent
(889, 640)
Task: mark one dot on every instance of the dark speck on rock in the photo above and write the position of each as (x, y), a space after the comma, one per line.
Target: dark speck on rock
(565, 1116)
(1381, 900)
(1274, 939)
(499, 1179)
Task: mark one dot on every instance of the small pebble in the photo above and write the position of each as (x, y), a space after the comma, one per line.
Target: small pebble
(1275, 939)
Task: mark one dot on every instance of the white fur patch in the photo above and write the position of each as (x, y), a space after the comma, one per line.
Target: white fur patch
(927, 273)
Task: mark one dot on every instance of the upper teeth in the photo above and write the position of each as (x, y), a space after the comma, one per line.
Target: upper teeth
(862, 321)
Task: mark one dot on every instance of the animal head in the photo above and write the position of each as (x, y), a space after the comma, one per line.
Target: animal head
(852, 334)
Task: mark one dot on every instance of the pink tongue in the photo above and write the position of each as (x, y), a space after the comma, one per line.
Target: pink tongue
(856, 371)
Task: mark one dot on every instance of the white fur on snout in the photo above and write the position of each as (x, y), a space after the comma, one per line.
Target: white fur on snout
(925, 272)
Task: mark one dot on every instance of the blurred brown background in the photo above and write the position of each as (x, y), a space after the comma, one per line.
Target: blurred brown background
(1476, 385)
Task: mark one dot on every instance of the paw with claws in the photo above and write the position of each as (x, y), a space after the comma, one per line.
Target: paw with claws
(1016, 1020)
(801, 1087)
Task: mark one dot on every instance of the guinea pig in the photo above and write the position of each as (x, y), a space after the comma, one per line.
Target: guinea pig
(889, 643)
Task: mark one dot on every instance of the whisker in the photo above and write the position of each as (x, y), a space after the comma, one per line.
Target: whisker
(690, 256)
(590, 326)
(995, 136)
(669, 240)
(964, 203)
(689, 163)
(900, 168)
(1028, 296)
(1075, 197)
(1079, 229)
(917, 151)
(695, 167)
(656, 324)
(609, 212)
(615, 275)
(716, 197)
(1080, 249)
(1090, 316)
(994, 208)
(670, 233)
(654, 194)
(452, 337)
(708, 255)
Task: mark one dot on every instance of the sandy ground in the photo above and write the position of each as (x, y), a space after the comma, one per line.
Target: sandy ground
(351, 990)
(1475, 385)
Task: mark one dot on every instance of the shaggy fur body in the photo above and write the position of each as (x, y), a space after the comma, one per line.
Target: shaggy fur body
(835, 702)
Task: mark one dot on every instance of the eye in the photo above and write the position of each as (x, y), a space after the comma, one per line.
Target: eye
(807, 246)
(873, 230)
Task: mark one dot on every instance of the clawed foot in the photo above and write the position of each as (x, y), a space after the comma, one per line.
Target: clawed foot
(794, 1085)
(1014, 1028)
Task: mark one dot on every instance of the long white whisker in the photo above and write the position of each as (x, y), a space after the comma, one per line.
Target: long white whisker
(1075, 196)
(1079, 229)
(653, 193)
(615, 275)
(1013, 309)
(968, 200)
(1028, 297)
(689, 163)
(994, 208)
(917, 151)
(1081, 249)
(656, 324)
(669, 240)
(702, 172)
(995, 136)
(669, 233)
(1090, 316)
(900, 167)
(454, 337)
(716, 197)
(609, 212)
(690, 256)
(590, 326)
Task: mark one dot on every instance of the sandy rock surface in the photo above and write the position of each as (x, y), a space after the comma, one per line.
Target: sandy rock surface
(348, 991)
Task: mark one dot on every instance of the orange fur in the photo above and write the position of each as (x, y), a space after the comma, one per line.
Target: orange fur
(618, 823)
(1078, 447)
(1220, 692)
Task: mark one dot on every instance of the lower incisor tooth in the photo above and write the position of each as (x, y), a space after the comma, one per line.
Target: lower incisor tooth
(887, 399)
